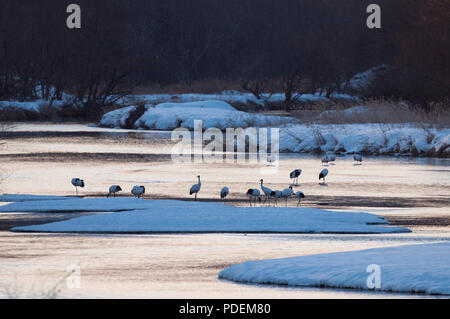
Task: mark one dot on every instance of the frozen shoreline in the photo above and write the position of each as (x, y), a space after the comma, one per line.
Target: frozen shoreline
(410, 269)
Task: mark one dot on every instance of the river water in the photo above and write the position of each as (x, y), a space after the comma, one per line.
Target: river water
(42, 158)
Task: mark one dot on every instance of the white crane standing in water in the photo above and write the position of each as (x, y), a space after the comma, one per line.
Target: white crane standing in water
(323, 174)
(113, 190)
(224, 192)
(196, 188)
(295, 175)
(266, 190)
(77, 183)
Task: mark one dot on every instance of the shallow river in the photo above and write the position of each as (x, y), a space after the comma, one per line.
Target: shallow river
(42, 158)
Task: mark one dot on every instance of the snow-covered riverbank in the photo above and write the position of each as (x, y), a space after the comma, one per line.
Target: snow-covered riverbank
(374, 139)
(410, 269)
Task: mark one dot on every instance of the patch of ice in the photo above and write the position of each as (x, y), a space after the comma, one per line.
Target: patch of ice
(179, 216)
(410, 269)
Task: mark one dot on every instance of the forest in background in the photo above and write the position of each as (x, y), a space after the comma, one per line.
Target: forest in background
(288, 46)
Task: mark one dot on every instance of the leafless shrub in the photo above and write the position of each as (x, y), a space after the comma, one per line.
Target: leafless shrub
(318, 136)
(383, 129)
(53, 292)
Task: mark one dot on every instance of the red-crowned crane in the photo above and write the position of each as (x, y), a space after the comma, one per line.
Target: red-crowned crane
(113, 190)
(77, 183)
(358, 158)
(138, 191)
(295, 175)
(224, 192)
(286, 193)
(325, 159)
(323, 174)
(266, 190)
(276, 194)
(196, 188)
(299, 195)
(254, 194)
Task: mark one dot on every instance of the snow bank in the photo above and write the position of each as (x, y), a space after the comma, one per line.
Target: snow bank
(117, 118)
(217, 114)
(206, 105)
(178, 216)
(411, 269)
(375, 139)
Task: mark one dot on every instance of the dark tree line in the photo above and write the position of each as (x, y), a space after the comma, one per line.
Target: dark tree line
(264, 45)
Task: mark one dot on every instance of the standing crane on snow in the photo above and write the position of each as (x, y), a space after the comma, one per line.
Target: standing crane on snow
(113, 190)
(276, 194)
(299, 195)
(358, 158)
(196, 188)
(323, 174)
(77, 183)
(138, 191)
(266, 190)
(254, 194)
(224, 192)
(295, 175)
(286, 193)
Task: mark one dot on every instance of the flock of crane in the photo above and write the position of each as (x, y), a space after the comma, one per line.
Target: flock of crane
(253, 194)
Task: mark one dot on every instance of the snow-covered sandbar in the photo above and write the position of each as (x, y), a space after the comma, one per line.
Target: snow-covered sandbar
(131, 215)
(410, 269)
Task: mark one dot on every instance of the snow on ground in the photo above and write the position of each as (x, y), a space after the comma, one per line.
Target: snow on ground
(376, 139)
(411, 269)
(117, 118)
(25, 197)
(180, 216)
(213, 114)
(76, 204)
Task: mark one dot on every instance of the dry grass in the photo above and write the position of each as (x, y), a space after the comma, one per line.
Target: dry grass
(375, 111)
